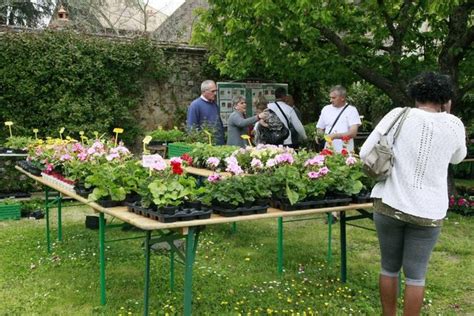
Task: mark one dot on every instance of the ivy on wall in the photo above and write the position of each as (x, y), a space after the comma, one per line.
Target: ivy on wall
(51, 80)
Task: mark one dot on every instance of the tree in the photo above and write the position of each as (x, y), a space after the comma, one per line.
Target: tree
(382, 42)
(24, 12)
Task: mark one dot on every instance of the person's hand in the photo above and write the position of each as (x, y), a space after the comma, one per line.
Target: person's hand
(263, 116)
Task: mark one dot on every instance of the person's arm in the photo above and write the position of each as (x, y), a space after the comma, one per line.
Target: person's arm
(297, 125)
(352, 132)
(192, 120)
(239, 121)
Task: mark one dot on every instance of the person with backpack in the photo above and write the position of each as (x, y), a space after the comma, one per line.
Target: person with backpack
(287, 116)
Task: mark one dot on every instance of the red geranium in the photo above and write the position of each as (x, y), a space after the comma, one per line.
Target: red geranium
(186, 157)
(326, 152)
(344, 152)
(176, 168)
(346, 139)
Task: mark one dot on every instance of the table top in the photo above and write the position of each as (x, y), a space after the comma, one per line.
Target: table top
(145, 223)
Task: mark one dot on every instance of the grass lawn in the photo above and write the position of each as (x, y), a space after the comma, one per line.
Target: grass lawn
(233, 274)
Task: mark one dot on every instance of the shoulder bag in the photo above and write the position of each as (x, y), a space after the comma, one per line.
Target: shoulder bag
(378, 163)
(293, 131)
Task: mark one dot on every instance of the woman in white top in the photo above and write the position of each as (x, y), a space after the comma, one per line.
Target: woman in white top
(410, 204)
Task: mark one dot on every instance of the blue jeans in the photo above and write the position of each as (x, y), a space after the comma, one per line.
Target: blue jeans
(405, 245)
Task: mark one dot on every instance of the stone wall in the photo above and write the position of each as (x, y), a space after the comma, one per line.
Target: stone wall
(166, 103)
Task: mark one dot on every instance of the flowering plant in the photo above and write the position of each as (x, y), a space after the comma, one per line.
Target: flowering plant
(344, 172)
(167, 184)
(463, 205)
(256, 159)
(114, 180)
(236, 191)
(202, 152)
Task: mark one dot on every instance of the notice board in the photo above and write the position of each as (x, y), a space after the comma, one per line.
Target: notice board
(250, 90)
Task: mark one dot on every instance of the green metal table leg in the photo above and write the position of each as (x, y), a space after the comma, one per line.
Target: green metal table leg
(343, 246)
(280, 246)
(102, 257)
(329, 255)
(191, 245)
(60, 226)
(234, 227)
(46, 208)
(172, 269)
(147, 272)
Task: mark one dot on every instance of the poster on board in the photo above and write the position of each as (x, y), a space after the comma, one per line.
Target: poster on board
(251, 91)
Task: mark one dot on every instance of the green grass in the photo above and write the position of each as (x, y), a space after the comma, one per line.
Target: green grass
(233, 273)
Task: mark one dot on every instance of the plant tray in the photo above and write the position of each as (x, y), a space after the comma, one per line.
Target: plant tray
(14, 195)
(240, 211)
(305, 205)
(184, 214)
(362, 198)
(109, 203)
(338, 201)
(178, 149)
(29, 167)
(10, 211)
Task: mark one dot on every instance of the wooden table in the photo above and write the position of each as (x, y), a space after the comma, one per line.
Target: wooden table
(189, 230)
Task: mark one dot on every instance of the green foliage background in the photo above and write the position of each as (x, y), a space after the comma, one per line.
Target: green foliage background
(50, 80)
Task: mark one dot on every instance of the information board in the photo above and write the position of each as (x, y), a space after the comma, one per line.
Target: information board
(226, 91)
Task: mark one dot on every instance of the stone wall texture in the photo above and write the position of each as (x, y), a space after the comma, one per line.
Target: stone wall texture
(165, 104)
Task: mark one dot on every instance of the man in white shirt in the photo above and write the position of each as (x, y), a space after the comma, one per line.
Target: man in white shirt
(338, 120)
(348, 119)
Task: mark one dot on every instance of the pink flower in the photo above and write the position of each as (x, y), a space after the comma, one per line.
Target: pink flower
(112, 156)
(213, 162)
(282, 158)
(77, 147)
(65, 157)
(270, 163)
(256, 163)
(233, 166)
(214, 177)
(324, 171)
(49, 167)
(317, 160)
(462, 202)
(313, 175)
(82, 156)
(351, 161)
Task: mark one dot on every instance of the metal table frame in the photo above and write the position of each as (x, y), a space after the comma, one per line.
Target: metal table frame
(190, 230)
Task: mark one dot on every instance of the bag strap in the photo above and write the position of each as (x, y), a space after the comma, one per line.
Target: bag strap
(337, 118)
(287, 122)
(403, 114)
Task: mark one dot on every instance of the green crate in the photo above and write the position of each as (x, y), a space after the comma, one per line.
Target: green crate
(10, 211)
(177, 149)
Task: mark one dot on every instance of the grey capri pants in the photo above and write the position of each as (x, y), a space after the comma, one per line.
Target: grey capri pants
(405, 245)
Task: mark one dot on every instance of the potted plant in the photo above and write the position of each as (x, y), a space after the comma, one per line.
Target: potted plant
(114, 180)
(237, 195)
(17, 144)
(161, 136)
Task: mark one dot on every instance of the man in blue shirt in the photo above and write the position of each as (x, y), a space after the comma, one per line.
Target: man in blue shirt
(205, 111)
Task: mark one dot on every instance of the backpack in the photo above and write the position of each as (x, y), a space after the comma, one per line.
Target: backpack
(275, 133)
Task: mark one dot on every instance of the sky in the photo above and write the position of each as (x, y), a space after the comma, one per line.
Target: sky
(166, 6)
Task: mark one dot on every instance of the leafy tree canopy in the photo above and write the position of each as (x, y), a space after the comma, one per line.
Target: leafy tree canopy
(384, 42)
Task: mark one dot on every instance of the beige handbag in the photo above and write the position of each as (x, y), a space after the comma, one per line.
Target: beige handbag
(378, 163)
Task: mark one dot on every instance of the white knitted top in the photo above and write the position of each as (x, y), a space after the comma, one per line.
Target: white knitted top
(427, 143)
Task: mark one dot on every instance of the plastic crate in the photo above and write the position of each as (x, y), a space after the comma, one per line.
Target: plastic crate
(10, 211)
(177, 149)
